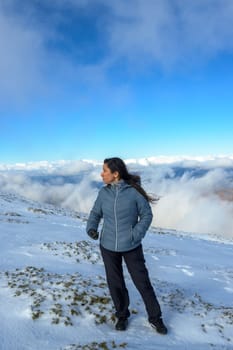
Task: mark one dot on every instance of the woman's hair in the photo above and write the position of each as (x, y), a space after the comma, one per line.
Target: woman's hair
(117, 164)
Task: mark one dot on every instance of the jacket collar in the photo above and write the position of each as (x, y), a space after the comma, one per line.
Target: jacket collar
(118, 184)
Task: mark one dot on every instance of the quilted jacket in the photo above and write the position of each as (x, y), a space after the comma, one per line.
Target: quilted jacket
(126, 216)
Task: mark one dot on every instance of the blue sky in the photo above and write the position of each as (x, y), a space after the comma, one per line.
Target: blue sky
(92, 79)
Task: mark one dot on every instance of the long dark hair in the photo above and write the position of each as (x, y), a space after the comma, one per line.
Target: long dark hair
(117, 164)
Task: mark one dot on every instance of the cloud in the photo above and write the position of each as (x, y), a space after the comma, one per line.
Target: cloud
(195, 203)
(138, 35)
(20, 60)
(185, 161)
(168, 33)
(51, 49)
(70, 185)
(28, 40)
(192, 198)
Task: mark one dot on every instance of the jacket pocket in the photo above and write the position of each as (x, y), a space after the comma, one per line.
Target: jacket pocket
(132, 235)
(135, 236)
(102, 233)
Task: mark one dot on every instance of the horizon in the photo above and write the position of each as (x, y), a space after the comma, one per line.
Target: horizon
(214, 160)
(84, 80)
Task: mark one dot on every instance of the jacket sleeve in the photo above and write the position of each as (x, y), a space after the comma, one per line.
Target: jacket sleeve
(145, 218)
(95, 215)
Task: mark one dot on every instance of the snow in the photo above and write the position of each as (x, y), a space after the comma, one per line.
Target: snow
(54, 294)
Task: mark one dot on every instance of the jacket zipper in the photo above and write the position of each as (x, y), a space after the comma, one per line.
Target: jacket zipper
(115, 214)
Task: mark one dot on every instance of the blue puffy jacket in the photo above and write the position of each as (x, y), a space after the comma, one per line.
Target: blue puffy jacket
(126, 216)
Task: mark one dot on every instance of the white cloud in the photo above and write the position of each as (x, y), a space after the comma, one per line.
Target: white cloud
(194, 198)
(195, 203)
(21, 60)
(185, 161)
(65, 167)
(30, 69)
(72, 167)
(169, 32)
(140, 33)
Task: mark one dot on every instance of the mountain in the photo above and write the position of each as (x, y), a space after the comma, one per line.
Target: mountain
(54, 294)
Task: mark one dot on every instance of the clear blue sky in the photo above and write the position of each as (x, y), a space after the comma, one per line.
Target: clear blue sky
(90, 79)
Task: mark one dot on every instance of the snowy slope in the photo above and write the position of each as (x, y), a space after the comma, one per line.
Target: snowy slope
(54, 295)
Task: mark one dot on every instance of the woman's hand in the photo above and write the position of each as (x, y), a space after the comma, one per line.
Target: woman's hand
(93, 234)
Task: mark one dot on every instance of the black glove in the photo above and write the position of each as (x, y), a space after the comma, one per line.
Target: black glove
(93, 234)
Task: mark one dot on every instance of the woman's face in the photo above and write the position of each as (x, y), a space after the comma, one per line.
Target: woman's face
(107, 176)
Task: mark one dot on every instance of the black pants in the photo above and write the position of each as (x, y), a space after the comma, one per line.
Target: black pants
(135, 263)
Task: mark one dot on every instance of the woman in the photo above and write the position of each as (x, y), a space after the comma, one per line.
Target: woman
(124, 206)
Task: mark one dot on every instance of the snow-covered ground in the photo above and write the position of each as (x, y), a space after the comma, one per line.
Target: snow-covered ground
(54, 296)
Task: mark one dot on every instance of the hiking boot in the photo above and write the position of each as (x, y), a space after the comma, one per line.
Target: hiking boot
(121, 324)
(158, 325)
